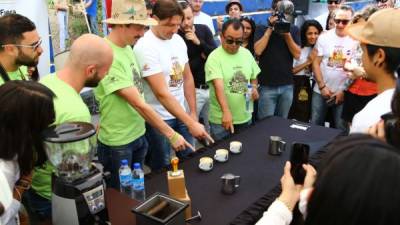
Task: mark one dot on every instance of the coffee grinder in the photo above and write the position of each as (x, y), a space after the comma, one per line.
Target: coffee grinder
(77, 184)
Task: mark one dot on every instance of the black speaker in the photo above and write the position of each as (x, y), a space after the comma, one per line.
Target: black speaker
(301, 6)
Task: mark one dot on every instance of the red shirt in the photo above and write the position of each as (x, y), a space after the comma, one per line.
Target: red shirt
(363, 87)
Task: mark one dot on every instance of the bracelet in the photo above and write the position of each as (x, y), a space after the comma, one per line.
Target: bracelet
(286, 204)
(174, 138)
(322, 87)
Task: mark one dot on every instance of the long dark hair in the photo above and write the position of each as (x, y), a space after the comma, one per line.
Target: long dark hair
(26, 109)
(304, 28)
(250, 44)
(357, 183)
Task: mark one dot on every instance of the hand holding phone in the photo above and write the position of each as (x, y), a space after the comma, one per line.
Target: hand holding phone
(331, 101)
(299, 156)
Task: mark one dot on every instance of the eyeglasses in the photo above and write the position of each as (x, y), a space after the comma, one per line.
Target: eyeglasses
(34, 46)
(330, 2)
(344, 22)
(382, 1)
(231, 41)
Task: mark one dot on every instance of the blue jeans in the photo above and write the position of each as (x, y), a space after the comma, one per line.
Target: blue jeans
(319, 110)
(159, 155)
(110, 157)
(275, 101)
(218, 132)
(40, 206)
(93, 24)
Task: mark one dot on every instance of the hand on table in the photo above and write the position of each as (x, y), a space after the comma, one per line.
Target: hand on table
(227, 121)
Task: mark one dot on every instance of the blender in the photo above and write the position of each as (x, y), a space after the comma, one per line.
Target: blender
(77, 184)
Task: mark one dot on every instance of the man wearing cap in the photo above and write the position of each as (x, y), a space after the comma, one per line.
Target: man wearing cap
(332, 5)
(382, 4)
(162, 55)
(20, 47)
(276, 52)
(123, 110)
(334, 47)
(380, 59)
(201, 17)
(234, 9)
(89, 60)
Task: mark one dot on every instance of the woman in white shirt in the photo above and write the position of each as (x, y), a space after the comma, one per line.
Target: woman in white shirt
(301, 106)
(26, 109)
(357, 184)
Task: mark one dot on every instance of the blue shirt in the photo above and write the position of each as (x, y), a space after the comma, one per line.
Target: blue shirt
(92, 9)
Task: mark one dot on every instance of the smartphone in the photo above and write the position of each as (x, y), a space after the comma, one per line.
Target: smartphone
(298, 157)
(331, 101)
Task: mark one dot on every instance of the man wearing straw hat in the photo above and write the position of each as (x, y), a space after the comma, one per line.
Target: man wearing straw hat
(122, 107)
(163, 58)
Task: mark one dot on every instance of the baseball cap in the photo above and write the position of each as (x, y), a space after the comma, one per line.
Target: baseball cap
(381, 29)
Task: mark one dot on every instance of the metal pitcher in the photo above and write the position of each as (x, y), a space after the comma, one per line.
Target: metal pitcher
(276, 145)
(230, 183)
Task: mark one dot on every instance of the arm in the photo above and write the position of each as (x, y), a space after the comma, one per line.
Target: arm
(227, 121)
(254, 94)
(208, 44)
(262, 43)
(189, 90)
(293, 47)
(325, 92)
(88, 4)
(310, 60)
(132, 96)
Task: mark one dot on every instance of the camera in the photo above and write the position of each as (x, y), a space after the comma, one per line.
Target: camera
(283, 9)
(392, 129)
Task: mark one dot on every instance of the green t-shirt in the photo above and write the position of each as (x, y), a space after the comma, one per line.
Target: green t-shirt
(236, 71)
(120, 123)
(69, 107)
(20, 74)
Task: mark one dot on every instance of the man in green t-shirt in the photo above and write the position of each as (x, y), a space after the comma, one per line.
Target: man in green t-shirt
(89, 60)
(19, 47)
(231, 70)
(122, 108)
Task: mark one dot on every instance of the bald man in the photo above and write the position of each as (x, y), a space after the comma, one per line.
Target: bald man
(89, 61)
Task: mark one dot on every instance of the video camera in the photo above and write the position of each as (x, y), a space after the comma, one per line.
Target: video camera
(283, 8)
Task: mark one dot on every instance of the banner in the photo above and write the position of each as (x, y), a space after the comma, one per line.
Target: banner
(37, 11)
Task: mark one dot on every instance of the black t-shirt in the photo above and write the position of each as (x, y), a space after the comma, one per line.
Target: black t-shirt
(198, 53)
(276, 61)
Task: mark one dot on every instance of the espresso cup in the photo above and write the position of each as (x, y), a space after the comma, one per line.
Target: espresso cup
(276, 145)
(221, 155)
(235, 147)
(206, 163)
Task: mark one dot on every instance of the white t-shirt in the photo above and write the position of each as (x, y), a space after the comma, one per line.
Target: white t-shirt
(205, 19)
(162, 56)
(372, 112)
(335, 51)
(305, 52)
(322, 19)
(9, 174)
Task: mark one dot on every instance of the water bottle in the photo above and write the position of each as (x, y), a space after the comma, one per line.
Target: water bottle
(138, 183)
(125, 178)
(249, 100)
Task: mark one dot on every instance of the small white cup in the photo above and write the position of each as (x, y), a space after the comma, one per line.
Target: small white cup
(206, 163)
(235, 147)
(221, 155)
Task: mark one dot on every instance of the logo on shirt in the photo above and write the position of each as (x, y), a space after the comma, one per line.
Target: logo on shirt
(338, 58)
(238, 83)
(137, 79)
(176, 74)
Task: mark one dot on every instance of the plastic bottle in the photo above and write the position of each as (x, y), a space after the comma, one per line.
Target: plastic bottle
(125, 178)
(139, 192)
(249, 100)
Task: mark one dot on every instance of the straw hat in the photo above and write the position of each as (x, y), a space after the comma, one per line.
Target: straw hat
(381, 29)
(130, 12)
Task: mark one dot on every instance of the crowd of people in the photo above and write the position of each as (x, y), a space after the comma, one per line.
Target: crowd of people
(164, 86)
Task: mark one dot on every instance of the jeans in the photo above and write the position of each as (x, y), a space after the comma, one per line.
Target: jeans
(159, 154)
(62, 17)
(93, 24)
(110, 157)
(38, 205)
(203, 105)
(275, 101)
(319, 110)
(218, 132)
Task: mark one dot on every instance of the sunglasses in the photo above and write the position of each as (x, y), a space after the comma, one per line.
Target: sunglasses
(231, 41)
(33, 46)
(334, 1)
(382, 1)
(344, 22)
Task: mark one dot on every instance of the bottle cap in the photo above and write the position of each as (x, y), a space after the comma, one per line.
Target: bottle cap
(124, 162)
(136, 166)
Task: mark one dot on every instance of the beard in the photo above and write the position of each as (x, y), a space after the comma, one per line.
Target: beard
(25, 60)
(94, 81)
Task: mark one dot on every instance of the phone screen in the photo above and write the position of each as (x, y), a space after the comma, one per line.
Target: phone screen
(298, 157)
